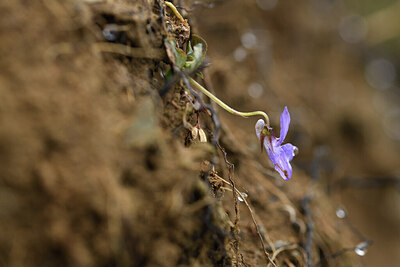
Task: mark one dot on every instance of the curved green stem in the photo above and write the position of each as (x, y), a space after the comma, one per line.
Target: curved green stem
(226, 107)
(176, 12)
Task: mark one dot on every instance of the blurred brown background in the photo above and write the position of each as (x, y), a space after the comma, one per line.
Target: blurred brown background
(335, 65)
(95, 169)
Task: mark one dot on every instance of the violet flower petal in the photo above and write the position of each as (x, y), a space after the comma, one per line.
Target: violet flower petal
(259, 127)
(280, 155)
(285, 121)
(289, 151)
(283, 165)
(271, 149)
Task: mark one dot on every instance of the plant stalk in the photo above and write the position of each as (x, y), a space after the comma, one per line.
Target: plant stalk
(176, 12)
(228, 108)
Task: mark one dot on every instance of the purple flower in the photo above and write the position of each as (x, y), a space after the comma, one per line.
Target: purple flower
(280, 155)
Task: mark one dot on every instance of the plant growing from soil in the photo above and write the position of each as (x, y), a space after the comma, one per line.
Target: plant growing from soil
(191, 61)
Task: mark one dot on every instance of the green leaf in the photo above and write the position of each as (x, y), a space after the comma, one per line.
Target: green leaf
(196, 52)
(180, 57)
(190, 50)
(176, 55)
(168, 74)
(200, 74)
(195, 58)
(196, 39)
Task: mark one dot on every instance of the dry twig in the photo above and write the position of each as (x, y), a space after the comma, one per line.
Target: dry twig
(235, 199)
(270, 260)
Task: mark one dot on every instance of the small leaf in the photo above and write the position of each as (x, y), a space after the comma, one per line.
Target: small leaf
(170, 49)
(195, 57)
(168, 75)
(196, 39)
(200, 74)
(180, 57)
(176, 55)
(190, 50)
(198, 52)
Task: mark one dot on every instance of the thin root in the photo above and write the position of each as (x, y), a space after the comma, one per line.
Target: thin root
(252, 217)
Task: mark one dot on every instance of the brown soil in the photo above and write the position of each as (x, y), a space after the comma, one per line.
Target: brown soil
(97, 169)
